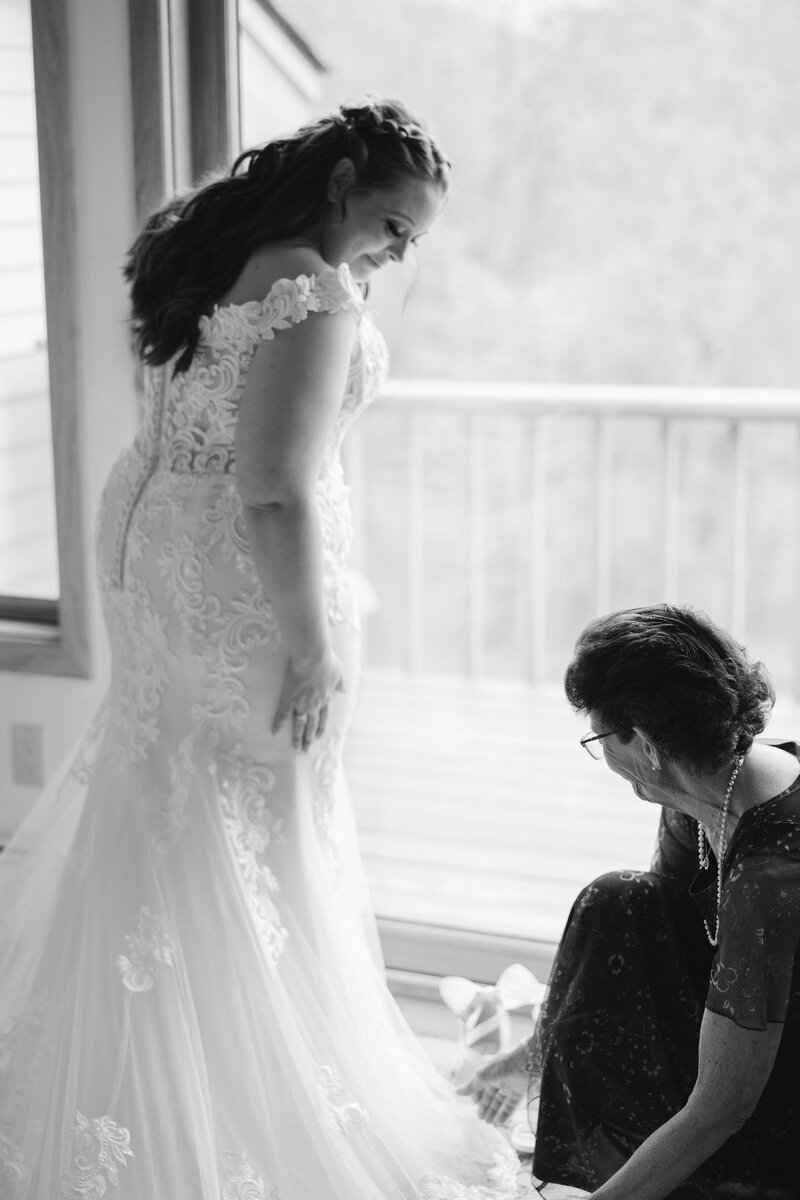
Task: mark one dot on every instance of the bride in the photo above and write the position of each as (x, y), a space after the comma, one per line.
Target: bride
(192, 1000)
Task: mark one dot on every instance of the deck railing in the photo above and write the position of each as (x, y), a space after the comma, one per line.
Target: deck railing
(493, 520)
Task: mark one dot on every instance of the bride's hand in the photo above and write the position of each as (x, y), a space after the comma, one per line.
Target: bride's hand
(498, 1086)
(309, 685)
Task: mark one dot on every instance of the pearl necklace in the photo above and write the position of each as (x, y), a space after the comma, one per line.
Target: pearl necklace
(702, 847)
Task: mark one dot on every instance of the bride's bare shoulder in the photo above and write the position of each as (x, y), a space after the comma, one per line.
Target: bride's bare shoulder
(279, 260)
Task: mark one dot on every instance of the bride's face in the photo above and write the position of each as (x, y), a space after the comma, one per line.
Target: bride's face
(371, 228)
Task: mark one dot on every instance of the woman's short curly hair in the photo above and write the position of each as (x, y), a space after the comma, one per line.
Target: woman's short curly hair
(674, 674)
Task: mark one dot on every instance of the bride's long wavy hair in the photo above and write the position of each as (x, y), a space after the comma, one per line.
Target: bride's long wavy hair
(193, 249)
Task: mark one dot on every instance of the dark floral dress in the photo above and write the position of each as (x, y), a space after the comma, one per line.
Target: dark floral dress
(619, 1031)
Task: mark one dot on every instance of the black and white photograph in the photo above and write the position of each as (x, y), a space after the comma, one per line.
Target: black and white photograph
(399, 591)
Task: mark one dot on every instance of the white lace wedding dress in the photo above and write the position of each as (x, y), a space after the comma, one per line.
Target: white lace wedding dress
(192, 1002)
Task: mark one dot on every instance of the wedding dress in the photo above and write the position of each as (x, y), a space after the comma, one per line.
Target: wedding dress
(192, 999)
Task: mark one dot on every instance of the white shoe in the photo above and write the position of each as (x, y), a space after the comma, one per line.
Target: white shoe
(521, 1136)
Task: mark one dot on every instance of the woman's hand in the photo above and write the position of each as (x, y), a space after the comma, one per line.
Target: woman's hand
(309, 685)
(498, 1086)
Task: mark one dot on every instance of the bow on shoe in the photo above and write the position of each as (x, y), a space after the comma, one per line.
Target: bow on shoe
(516, 988)
(484, 1026)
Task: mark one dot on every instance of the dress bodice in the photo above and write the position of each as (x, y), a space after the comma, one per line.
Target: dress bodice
(195, 432)
(189, 420)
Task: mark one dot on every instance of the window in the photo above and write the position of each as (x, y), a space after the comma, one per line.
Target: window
(42, 582)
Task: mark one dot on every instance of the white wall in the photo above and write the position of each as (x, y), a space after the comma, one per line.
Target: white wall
(104, 197)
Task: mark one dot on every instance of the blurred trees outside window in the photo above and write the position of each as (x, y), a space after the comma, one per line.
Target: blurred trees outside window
(625, 204)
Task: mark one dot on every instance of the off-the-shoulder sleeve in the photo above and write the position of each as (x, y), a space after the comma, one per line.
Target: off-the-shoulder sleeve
(756, 971)
(289, 301)
(333, 289)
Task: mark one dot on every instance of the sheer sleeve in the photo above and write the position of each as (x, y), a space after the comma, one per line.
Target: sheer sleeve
(756, 973)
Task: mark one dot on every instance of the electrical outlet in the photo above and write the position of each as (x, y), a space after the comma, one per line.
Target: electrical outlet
(27, 766)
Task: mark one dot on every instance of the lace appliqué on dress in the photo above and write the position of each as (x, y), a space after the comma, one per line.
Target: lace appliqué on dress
(149, 947)
(345, 1112)
(140, 673)
(250, 828)
(291, 300)
(82, 765)
(185, 566)
(166, 812)
(200, 423)
(503, 1183)
(100, 1147)
(242, 1182)
(223, 526)
(336, 526)
(327, 768)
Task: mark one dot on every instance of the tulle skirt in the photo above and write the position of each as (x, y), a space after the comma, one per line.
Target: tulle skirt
(192, 999)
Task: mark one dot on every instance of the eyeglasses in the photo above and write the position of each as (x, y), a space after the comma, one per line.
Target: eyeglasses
(591, 744)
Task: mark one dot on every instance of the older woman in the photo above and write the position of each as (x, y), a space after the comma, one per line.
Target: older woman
(669, 1043)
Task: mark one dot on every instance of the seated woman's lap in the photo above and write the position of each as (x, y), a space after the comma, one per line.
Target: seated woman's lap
(618, 1038)
(619, 1031)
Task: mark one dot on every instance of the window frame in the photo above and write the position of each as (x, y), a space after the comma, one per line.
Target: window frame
(185, 93)
(50, 637)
